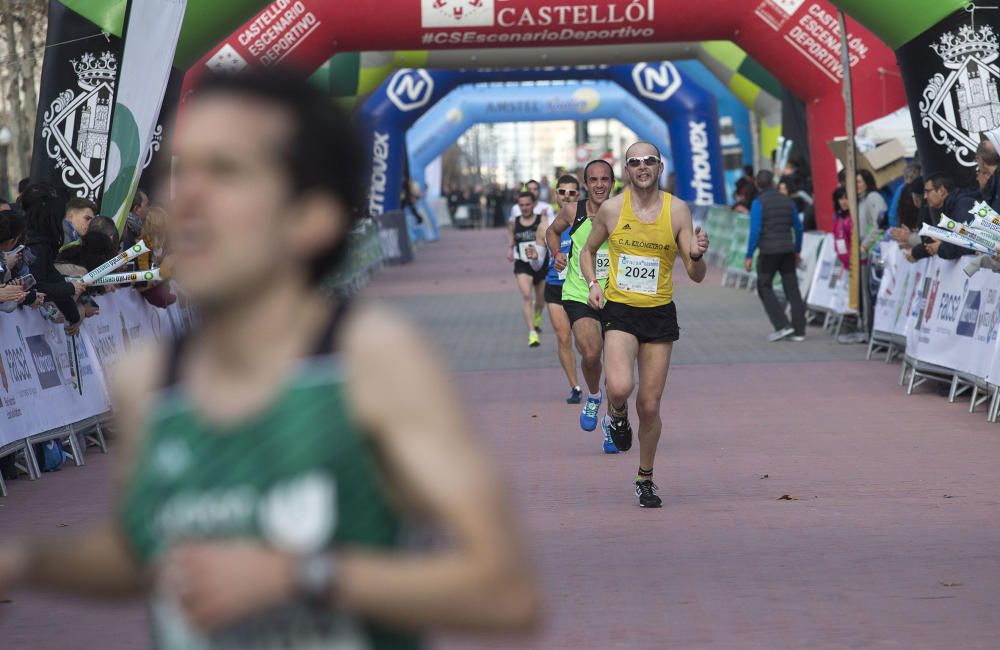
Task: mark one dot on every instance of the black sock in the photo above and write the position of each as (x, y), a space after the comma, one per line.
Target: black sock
(618, 411)
(645, 474)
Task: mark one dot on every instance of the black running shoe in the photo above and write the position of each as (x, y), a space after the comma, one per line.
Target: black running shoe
(575, 396)
(621, 431)
(646, 491)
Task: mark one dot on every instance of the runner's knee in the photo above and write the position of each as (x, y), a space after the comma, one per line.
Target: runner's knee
(620, 388)
(648, 408)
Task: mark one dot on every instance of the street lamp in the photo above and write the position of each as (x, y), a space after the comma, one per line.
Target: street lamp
(5, 139)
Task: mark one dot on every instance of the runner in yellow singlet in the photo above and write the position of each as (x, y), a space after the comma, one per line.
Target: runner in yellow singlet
(645, 229)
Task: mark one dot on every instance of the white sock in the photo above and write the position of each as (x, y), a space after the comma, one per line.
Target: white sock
(597, 395)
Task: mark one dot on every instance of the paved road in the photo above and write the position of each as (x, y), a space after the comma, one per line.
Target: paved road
(891, 540)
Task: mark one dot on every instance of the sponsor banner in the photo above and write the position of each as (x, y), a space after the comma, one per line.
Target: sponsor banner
(812, 243)
(75, 100)
(829, 290)
(896, 291)
(952, 79)
(39, 387)
(151, 37)
(954, 321)
(126, 319)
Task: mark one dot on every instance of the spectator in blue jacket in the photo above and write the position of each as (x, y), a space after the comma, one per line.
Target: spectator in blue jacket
(910, 174)
(776, 229)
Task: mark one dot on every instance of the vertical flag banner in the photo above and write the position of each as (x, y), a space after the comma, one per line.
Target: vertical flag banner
(79, 76)
(953, 85)
(150, 41)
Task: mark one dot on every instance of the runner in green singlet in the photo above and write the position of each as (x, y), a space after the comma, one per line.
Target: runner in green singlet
(599, 178)
(270, 457)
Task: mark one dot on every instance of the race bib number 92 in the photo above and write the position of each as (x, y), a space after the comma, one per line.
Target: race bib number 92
(602, 266)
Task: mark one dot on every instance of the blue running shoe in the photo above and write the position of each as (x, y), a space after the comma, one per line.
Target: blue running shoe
(609, 445)
(588, 417)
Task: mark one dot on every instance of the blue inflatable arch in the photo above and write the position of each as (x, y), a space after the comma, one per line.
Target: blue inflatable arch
(468, 105)
(689, 110)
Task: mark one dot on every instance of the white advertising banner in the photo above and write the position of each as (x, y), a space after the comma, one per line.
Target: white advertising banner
(900, 279)
(812, 244)
(125, 318)
(829, 290)
(38, 386)
(955, 323)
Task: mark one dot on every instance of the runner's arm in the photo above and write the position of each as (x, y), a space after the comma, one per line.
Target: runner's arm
(510, 241)
(97, 562)
(598, 235)
(688, 240)
(482, 581)
(552, 235)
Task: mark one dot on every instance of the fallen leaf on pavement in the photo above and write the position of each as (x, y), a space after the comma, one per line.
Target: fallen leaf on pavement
(787, 497)
(951, 584)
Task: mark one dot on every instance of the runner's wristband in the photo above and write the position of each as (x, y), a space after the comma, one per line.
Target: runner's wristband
(593, 283)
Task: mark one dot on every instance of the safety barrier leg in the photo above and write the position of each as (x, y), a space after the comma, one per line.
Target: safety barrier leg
(75, 450)
(991, 413)
(953, 390)
(30, 466)
(97, 437)
(902, 372)
(3, 487)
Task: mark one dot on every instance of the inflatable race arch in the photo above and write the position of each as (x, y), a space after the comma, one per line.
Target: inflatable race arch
(946, 53)
(468, 105)
(688, 109)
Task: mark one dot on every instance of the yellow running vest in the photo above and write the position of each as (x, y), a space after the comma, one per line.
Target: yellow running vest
(642, 258)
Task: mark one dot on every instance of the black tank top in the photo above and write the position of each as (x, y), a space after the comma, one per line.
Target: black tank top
(526, 233)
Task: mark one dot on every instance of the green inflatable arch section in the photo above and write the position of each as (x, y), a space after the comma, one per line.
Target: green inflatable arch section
(897, 22)
(206, 22)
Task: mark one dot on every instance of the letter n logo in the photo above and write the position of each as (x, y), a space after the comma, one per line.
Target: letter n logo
(656, 81)
(410, 89)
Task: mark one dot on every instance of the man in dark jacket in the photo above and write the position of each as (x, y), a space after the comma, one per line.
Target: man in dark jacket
(944, 198)
(776, 229)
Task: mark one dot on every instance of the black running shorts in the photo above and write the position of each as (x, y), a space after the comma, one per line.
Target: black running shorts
(577, 310)
(553, 293)
(524, 268)
(647, 324)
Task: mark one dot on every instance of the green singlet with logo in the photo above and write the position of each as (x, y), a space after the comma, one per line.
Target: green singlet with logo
(575, 288)
(299, 477)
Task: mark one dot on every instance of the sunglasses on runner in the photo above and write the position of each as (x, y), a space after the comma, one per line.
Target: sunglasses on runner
(568, 192)
(649, 161)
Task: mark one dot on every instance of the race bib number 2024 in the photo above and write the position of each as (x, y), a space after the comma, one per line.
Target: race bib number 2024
(638, 273)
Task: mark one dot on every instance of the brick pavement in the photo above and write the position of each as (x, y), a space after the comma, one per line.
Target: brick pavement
(871, 554)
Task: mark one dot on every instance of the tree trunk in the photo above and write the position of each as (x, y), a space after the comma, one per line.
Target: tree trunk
(33, 39)
(14, 71)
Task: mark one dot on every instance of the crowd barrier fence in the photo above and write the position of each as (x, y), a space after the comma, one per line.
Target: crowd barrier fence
(942, 323)
(45, 395)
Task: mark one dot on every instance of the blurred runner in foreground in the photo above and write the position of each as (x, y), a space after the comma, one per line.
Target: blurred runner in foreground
(270, 456)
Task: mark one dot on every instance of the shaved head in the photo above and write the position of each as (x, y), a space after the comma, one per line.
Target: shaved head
(642, 148)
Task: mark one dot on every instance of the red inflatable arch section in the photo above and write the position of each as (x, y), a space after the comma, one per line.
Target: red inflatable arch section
(798, 41)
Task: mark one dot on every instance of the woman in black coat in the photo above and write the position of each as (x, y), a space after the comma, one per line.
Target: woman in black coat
(46, 210)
